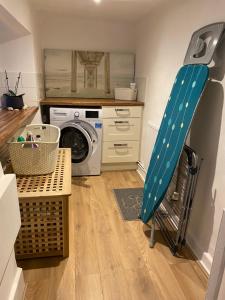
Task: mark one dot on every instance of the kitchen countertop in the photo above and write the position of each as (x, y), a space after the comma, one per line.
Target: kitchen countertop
(11, 121)
(89, 102)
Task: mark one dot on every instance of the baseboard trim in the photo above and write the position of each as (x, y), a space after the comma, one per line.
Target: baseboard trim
(141, 173)
(204, 260)
(119, 166)
(18, 289)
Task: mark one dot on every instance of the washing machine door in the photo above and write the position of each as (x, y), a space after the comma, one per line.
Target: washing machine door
(79, 139)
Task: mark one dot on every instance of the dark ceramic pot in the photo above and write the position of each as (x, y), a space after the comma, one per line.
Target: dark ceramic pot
(16, 102)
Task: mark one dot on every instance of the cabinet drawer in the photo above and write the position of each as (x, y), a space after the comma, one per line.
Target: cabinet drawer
(122, 112)
(115, 152)
(121, 129)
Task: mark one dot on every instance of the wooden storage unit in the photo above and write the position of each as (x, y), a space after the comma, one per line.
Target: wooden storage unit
(121, 135)
(44, 211)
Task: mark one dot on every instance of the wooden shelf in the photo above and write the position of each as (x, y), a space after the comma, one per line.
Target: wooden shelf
(11, 121)
(89, 102)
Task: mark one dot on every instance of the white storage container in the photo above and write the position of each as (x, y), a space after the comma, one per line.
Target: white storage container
(39, 159)
(125, 94)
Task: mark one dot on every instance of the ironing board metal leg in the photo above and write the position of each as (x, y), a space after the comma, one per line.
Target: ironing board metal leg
(152, 236)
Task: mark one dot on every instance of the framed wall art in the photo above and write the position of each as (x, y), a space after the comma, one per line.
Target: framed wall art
(86, 74)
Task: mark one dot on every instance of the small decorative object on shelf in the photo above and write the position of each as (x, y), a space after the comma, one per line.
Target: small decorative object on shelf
(12, 100)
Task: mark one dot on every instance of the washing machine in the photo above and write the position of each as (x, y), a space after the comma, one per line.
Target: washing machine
(81, 130)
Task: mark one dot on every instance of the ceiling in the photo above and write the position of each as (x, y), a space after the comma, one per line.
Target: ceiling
(114, 10)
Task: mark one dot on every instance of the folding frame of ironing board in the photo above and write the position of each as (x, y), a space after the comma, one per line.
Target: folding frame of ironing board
(172, 216)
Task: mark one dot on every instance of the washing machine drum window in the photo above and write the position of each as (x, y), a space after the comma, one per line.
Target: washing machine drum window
(79, 140)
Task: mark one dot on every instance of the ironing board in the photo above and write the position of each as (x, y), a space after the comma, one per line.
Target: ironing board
(184, 98)
(182, 103)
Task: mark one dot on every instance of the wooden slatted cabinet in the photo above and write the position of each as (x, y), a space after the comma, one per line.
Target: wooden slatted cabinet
(44, 211)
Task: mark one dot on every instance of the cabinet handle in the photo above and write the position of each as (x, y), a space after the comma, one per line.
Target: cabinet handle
(121, 122)
(120, 145)
(122, 109)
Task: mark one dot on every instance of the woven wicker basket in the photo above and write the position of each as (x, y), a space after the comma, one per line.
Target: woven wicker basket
(37, 160)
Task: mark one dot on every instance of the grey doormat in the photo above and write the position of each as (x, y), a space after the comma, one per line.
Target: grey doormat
(129, 202)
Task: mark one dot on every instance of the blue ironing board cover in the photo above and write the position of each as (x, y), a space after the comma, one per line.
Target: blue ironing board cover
(180, 109)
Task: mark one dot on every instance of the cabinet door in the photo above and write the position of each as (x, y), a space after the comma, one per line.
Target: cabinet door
(120, 151)
(126, 129)
(122, 112)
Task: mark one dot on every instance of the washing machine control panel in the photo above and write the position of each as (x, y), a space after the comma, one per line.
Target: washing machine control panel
(60, 115)
(76, 114)
(91, 114)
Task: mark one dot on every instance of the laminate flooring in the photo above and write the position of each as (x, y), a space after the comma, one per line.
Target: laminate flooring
(110, 258)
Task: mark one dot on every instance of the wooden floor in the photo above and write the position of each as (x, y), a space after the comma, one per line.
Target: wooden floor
(110, 259)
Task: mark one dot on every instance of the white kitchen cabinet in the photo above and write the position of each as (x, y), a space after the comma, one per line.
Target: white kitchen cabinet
(121, 134)
(120, 151)
(121, 112)
(126, 129)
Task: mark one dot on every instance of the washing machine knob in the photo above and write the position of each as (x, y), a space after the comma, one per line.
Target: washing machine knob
(76, 114)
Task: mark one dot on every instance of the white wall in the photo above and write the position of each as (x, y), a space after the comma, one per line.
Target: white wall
(23, 55)
(73, 33)
(60, 32)
(24, 15)
(162, 40)
(19, 56)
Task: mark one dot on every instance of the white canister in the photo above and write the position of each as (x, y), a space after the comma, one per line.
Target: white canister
(125, 94)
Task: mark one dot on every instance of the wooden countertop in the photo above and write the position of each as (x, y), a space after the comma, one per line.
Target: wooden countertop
(11, 121)
(89, 102)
